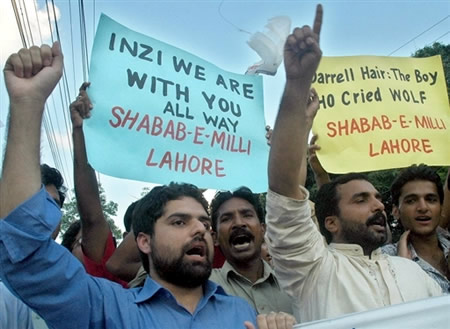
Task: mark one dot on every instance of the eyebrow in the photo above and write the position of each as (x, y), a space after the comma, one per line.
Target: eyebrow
(239, 210)
(366, 195)
(187, 216)
(418, 194)
(360, 194)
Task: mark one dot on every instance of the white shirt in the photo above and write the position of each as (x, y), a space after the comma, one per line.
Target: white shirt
(13, 312)
(329, 281)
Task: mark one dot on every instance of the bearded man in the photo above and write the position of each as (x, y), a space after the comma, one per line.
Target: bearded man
(350, 274)
(172, 229)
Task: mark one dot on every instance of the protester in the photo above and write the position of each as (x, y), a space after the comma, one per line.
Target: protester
(43, 274)
(71, 240)
(13, 312)
(94, 241)
(238, 223)
(54, 184)
(125, 262)
(417, 196)
(351, 274)
(321, 176)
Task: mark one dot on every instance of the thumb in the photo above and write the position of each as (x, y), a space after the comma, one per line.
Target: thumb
(58, 57)
(249, 325)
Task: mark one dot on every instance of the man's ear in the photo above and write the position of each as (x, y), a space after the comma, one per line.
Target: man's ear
(333, 225)
(263, 228)
(143, 242)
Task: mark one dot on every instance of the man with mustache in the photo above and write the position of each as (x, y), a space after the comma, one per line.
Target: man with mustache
(238, 224)
(350, 274)
(417, 197)
(172, 230)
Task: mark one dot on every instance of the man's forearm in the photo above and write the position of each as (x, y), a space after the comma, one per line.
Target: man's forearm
(21, 176)
(289, 141)
(94, 228)
(86, 186)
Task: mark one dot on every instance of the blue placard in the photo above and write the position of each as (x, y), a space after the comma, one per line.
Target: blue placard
(162, 114)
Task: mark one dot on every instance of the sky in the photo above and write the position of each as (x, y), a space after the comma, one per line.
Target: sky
(216, 31)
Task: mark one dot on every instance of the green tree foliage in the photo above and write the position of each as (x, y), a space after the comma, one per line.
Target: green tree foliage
(438, 49)
(109, 210)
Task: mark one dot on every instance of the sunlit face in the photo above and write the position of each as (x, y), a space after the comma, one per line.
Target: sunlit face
(362, 218)
(419, 207)
(181, 248)
(239, 231)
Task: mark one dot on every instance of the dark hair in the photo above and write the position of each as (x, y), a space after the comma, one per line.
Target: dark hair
(151, 207)
(241, 193)
(414, 173)
(327, 200)
(69, 236)
(128, 217)
(52, 176)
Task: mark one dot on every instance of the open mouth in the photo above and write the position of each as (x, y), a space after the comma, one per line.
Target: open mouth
(379, 220)
(423, 219)
(241, 239)
(198, 249)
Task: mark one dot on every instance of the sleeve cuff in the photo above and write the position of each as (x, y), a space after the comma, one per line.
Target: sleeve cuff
(287, 211)
(276, 199)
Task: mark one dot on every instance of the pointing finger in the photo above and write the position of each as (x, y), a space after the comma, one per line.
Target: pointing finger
(318, 21)
(84, 86)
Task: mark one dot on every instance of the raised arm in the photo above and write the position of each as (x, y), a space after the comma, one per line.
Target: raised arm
(125, 262)
(313, 105)
(33, 266)
(294, 120)
(30, 77)
(95, 229)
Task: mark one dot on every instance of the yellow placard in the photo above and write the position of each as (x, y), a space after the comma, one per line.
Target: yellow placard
(381, 113)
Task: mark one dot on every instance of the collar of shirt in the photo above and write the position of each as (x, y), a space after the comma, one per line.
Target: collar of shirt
(355, 250)
(151, 288)
(268, 274)
(444, 239)
(444, 243)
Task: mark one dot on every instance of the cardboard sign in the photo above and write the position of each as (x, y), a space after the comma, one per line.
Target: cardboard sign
(161, 114)
(381, 112)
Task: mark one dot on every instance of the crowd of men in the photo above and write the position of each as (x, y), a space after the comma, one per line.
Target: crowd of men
(162, 275)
